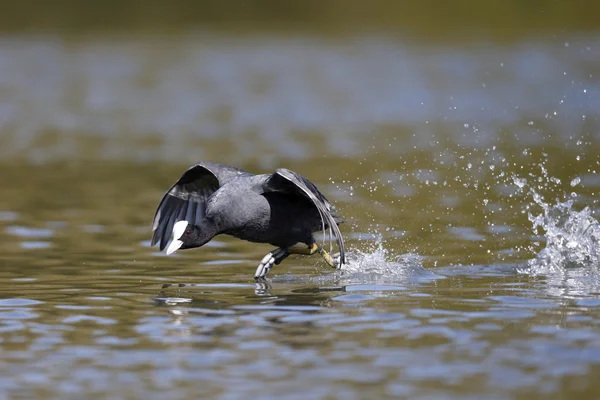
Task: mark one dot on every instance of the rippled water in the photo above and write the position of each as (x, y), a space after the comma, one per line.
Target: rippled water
(468, 177)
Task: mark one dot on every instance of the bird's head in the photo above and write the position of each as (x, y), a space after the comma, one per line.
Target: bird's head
(186, 236)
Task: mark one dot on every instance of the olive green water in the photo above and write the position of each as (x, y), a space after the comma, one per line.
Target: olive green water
(422, 140)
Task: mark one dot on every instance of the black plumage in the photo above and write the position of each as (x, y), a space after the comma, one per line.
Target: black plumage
(282, 208)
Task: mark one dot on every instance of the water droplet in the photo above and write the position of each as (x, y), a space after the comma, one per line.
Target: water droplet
(575, 181)
(520, 182)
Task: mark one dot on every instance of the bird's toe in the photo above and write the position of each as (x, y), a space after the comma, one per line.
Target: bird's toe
(264, 267)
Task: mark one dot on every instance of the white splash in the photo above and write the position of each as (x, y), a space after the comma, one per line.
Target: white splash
(572, 237)
(378, 266)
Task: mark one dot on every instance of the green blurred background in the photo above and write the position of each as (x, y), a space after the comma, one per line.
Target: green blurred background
(439, 20)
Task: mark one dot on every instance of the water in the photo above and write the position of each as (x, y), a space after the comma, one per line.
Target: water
(467, 174)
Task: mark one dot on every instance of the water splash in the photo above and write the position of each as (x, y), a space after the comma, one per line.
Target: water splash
(379, 266)
(572, 237)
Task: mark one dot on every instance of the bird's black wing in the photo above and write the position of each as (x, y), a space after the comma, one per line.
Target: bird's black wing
(186, 199)
(284, 180)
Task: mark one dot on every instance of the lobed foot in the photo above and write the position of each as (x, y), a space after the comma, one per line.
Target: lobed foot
(337, 261)
(302, 248)
(272, 258)
(350, 257)
(328, 258)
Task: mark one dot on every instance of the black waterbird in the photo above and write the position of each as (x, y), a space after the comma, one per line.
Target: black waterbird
(282, 208)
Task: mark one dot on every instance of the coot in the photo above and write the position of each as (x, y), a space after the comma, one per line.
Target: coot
(282, 208)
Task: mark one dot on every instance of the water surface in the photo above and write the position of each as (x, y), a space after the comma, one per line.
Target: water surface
(468, 177)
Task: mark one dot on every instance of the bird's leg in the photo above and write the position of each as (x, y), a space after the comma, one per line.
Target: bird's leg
(278, 255)
(272, 258)
(301, 248)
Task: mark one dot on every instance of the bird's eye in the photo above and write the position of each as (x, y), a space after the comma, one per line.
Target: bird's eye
(187, 233)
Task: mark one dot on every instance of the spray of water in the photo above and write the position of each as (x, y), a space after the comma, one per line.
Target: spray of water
(572, 237)
(379, 266)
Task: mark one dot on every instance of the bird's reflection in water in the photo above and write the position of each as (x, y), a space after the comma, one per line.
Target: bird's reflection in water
(227, 295)
(263, 288)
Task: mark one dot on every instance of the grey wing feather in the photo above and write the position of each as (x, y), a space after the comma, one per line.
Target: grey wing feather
(310, 191)
(186, 199)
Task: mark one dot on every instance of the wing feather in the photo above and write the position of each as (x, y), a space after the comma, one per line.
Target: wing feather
(186, 199)
(307, 189)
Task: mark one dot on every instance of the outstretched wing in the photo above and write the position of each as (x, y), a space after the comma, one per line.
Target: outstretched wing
(284, 180)
(186, 199)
